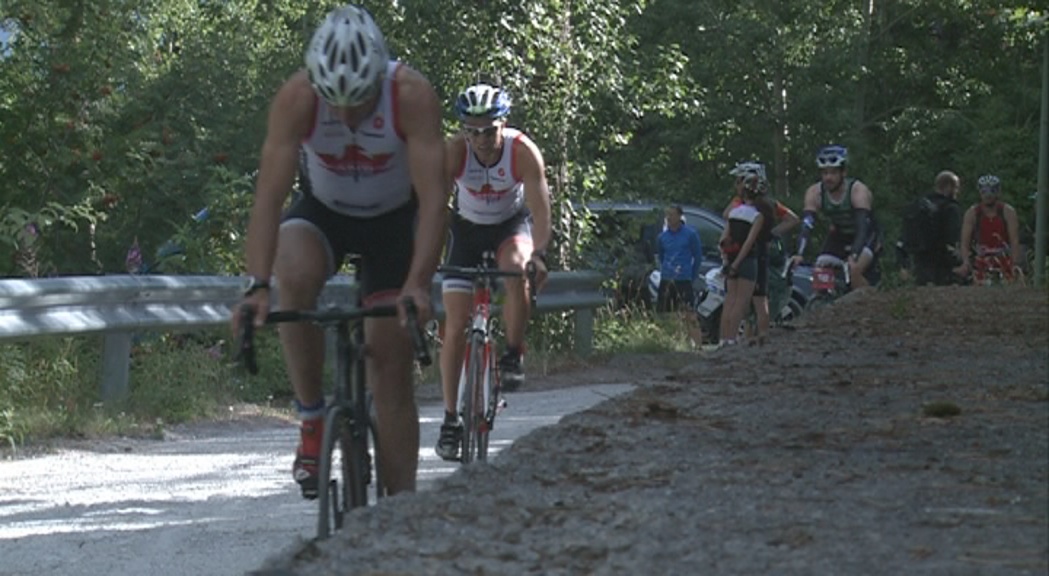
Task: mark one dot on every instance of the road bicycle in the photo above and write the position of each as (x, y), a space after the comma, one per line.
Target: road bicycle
(349, 422)
(478, 400)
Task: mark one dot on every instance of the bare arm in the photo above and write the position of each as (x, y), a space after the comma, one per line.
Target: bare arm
(812, 198)
(862, 197)
(813, 201)
(290, 115)
(455, 154)
(420, 122)
(536, 190)
(787, 221)
(1012, 223)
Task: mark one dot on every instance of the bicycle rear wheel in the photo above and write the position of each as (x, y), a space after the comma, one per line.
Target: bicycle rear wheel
(475, 435)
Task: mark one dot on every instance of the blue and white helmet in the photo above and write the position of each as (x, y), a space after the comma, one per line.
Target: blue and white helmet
(347, 57)
(833, 156)
(482, 100)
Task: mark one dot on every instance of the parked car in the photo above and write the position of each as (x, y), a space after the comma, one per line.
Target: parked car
(624, 246)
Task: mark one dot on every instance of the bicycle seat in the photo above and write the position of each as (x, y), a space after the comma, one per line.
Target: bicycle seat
(829, 261)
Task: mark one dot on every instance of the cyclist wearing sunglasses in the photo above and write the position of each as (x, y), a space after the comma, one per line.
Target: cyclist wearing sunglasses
(990, 233)
(847, 203)
(367, 131)
(501, 204)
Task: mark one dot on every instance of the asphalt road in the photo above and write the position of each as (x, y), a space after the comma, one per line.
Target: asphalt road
(215, 501)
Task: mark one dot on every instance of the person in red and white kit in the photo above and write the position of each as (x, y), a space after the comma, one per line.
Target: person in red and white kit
(372, 168)
(501, 204)
(990, 234)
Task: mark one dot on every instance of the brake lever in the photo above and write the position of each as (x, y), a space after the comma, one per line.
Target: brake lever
(422, 351)
(245, 348)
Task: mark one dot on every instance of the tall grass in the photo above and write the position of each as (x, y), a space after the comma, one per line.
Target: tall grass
(50, 387)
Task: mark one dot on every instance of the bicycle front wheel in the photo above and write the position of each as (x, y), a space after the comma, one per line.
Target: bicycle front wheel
(475, 429)
(356, 461)
(331, 492)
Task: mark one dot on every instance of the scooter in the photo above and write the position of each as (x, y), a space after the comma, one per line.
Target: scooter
(711, 301)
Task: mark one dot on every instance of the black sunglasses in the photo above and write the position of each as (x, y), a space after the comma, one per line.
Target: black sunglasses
(480, 131)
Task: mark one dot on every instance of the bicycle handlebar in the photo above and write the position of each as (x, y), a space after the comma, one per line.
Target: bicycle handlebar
(245, 349)
(478, 272)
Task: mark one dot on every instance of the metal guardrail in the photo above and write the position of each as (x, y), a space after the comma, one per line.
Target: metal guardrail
(118, 306)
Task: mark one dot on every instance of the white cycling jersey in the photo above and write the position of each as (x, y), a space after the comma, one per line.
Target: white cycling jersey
(490, 194)
(363, 172)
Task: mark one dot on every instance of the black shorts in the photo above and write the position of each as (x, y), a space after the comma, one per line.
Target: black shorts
(467, 243)
(840, 245)
(384, 242)
(675, 295)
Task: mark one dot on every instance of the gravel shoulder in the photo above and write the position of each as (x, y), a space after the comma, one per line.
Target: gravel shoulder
(902, 432)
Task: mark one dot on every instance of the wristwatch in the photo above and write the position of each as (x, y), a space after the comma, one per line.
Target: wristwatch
(253, 285)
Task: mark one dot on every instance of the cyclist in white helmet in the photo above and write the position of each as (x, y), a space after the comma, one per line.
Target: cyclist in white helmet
(848, 204)
(502, 205)
(368, 130)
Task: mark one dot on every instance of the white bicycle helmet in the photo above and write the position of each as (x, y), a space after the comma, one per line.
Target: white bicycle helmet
(483, 100)
(989, 184)
(753, 176)
(347, 57)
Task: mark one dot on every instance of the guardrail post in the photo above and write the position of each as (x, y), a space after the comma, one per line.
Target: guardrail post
(584, 331)
(116, 366)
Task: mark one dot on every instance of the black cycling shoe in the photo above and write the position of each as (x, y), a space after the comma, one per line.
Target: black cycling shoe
(449, 441)
(511, 372)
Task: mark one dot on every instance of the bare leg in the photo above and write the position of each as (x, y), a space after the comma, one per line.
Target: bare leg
(512, 257)
(856, 270)
(302, 269)
(390, 380)
(761, 311)
(456, 314)
(728, 308)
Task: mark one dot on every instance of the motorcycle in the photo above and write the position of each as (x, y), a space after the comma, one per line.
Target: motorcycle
(711, 301)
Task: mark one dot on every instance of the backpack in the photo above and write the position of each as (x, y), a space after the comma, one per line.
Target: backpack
(924, 224)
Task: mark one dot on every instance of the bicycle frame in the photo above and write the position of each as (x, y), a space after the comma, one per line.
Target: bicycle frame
(477, 400)
(349, 414)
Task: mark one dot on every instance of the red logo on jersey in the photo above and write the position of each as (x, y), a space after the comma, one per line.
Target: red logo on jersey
(487, 194)
(355, 161)
(378, 123)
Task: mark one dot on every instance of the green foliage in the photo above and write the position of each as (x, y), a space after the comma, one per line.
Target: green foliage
(633, 330)
(49, 386)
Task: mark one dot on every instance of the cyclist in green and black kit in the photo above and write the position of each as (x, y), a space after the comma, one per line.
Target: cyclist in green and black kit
(847, 203)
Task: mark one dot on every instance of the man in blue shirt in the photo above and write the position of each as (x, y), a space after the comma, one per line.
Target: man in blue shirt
(680, 254)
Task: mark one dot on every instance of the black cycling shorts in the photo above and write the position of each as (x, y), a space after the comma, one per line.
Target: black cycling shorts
(467, 243)
(384, 242)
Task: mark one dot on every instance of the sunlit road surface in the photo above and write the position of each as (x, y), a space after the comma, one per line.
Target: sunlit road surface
(209, 505)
